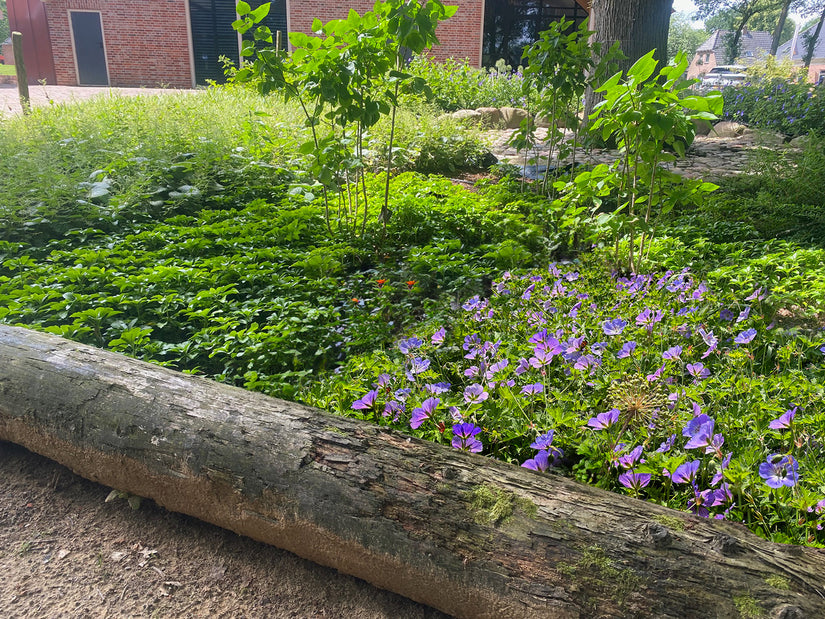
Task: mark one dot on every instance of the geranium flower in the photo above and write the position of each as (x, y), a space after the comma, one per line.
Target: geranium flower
(424, 412)
(698, 370)
(779, 470)
(614, 326)
(602, 421)
(685, 473)
(627, 350)
(783, 421)
(634, 481)
(672, 353)
(541, 462)
(438, 336)
(464, 437)
(408, 345)
(532, 389)
(475, 394)
(367, 401)
(746, 337)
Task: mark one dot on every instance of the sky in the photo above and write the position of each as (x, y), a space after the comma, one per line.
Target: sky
(687, 6)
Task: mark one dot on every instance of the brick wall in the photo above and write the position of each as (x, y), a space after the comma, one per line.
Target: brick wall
(146, 42)
(460, 35)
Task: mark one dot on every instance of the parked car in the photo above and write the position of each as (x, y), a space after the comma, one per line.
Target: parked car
(724, 75)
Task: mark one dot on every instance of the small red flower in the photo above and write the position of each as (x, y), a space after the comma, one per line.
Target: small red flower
(381, 282)
(354, 300)
(411, 283)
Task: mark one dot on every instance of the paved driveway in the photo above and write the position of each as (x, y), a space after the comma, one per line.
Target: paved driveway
(49, 95)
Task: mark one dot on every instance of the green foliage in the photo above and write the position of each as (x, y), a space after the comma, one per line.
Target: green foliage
(345, 79)
(683, 37)
(792, 109)
(645, 117)
(560, 68)
(455, 85)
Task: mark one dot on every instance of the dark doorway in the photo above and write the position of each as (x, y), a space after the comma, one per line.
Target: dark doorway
(212, 37)
(88, 48)
(510, 25)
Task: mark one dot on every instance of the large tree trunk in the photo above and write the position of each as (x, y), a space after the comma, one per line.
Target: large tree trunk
(810, 44)
(780, 25)
(637, 25)
(468, 535)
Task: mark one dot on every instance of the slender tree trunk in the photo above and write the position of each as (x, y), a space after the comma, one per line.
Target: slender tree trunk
(637, 25)
(780, 25)
(810, 44)
(468, 535)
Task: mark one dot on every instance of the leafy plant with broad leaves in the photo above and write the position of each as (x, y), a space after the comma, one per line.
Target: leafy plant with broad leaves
(344, 78)
(650, 118)
(561, 65)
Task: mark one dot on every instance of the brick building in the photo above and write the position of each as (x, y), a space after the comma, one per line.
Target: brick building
(178, 43)
(713, 52)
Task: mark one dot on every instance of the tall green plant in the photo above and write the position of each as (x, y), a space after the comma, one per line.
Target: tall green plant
(345, 78)
(651, 120)
(561, 64)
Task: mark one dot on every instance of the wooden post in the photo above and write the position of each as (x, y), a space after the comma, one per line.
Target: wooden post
(278, 39)
(20, 68)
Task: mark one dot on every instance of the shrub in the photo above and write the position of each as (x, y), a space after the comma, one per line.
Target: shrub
(792, 109)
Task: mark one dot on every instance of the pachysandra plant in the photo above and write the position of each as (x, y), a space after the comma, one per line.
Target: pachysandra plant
(345, 77)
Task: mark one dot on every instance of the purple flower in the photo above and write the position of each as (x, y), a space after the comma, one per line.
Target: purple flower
(614, 327)
(394, 408)
(745, 337)
(629, 460)
(672, 353)
(438, 336)
(626, 350)
(424, 412)
(656, 375)
(584, 362)
(383, 380)
(522, 367)
(698, 370)
(634, 481)
(685, 473)
(602, 421)
(783, 421)
(418, 365)
(544, 441)
(726, 315)
(667, 445)
(722, 466)
(779, 470)
(408, 345)
(757, 294)
(464, 437)
(366, 402)
(822, 349)
(471, 304)
(437, 388)
(743, 315)
(475, 394)
(647, 318)
(532, 389)
(700, 431)
(541, 462)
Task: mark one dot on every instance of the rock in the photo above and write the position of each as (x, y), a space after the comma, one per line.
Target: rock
(472, 115)
(490, 117)
(800, 141)
(703, 127)
(728, 129)
(512, 116)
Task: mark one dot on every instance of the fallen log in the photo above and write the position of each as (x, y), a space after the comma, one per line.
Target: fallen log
(465, 534)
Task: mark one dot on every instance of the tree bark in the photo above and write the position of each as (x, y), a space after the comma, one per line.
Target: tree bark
(780, 25)
(465, 534)
(637, 25)
(810, 45)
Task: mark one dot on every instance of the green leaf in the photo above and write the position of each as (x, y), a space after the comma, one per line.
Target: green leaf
(242, 8)
(260, 13)
(643, 68)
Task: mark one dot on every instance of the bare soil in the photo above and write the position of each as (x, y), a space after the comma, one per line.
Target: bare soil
(65, 552)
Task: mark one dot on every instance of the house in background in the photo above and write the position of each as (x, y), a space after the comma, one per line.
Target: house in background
(795, 50)
(712, 52)
(178, 43)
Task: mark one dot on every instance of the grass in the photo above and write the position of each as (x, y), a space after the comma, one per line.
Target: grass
(7, 69)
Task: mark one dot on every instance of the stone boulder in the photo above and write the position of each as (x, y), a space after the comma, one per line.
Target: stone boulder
(490, 117)
(512, 117)
(703, 127)
(728, 129)
(471, 115)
